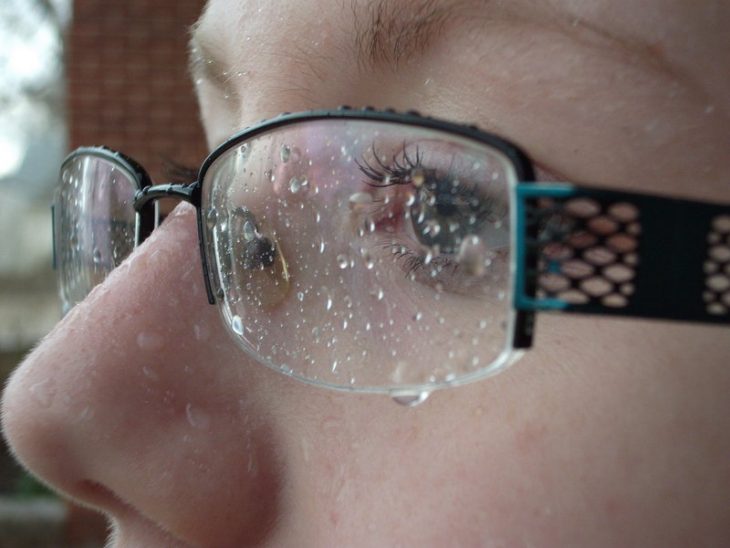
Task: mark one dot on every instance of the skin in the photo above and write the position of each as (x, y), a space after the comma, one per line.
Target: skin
(609, 433)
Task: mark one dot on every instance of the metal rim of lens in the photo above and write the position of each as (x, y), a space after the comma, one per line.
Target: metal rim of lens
(505, 358)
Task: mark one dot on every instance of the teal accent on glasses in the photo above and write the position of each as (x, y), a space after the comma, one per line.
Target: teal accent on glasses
(523, 191)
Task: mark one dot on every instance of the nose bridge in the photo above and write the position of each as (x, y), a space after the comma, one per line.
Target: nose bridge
(124, 392)
(189, 193)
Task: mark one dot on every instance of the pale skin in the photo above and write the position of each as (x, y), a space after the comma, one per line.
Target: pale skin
(609, 433)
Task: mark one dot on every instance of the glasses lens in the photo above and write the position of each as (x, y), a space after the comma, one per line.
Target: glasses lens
(364, 255)
(95, 223)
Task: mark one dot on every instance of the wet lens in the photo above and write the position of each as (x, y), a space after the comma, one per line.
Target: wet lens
(94, 223)
(364, 255)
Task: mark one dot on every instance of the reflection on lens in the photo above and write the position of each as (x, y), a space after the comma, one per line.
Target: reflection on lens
(364, 255)
(95, 223)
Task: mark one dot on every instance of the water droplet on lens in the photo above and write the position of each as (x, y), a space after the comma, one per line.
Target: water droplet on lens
(285, 153)
(432, 228)
(237, 325)
(369, 263)
(360, 201)
(211, 219)
(297, 186)
(378, 293)
(96, 256)
(473, 256)
(410, 399)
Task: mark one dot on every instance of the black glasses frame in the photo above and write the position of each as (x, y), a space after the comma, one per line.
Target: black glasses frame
(671, 241)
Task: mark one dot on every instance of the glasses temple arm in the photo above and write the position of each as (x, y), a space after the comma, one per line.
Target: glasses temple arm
(667, 259)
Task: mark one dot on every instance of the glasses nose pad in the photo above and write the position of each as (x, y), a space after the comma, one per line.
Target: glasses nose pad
(261, 268)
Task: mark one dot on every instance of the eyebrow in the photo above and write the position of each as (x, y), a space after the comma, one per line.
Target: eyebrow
(204, 62)
(387, 31)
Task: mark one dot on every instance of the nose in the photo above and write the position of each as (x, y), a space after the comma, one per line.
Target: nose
(137, 401)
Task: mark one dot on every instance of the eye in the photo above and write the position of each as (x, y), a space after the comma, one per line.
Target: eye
(439, 212)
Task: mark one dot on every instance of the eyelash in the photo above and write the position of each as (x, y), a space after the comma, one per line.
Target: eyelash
(400, 173)
(384, 175)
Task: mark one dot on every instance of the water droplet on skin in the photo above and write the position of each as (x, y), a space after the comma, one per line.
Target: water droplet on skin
(150, 340)
(417, 316)
(43, 392)
(237, 325)
(334, 366)
(197, 418)
(150, 373)
(96, 255)
(342, 261)
(87, 413)
(306, 448)
(300, 296)
(410, 399)
(201, 332)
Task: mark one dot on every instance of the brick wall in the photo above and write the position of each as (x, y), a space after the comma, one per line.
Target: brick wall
(128, 86)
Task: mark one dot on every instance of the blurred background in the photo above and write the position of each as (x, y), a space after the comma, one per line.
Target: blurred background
(72, 73)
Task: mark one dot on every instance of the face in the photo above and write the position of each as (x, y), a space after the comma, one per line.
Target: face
(140, 403)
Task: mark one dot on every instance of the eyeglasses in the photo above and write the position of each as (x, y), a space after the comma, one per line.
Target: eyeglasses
(382, 252)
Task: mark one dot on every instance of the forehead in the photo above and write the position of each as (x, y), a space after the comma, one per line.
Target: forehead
(373, 34)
